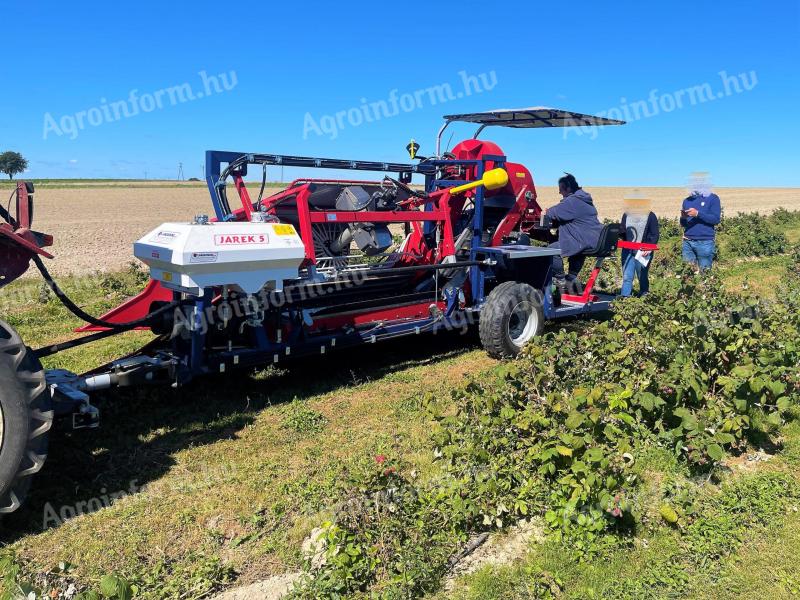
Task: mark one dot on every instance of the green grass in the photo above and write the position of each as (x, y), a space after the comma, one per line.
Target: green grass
(41, 319)
(758, 276)
(234, 472)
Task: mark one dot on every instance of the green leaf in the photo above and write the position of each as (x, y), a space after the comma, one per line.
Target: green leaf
(775, 419)
(776, 387)
(594, 454)
(715, 451)
(564, 451)
(647, 401)
(115, 588)
(724, 438)
(574, 420)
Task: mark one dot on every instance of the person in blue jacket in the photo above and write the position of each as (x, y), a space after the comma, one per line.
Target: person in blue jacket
(637, 226)
(578, 230)
(700, 214)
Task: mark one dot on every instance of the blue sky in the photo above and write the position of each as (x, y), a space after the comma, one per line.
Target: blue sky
(290, 65)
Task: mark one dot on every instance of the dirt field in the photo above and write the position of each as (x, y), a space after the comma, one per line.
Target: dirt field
(95, 227)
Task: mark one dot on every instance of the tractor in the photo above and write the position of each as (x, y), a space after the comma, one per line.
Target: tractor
(323, 265)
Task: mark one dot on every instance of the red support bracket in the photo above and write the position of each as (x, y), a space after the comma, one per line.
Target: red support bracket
(244, 196)
(636, 245)
(24, 216)
(587, 295)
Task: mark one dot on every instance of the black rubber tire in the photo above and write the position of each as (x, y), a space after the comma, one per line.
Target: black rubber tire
(496, 316)
(26, 418)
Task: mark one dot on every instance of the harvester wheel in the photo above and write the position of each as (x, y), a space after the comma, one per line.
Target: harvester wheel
(25, 419)
(511, 317)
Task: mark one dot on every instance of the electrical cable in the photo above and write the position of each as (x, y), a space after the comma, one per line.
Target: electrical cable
(263, 184)
(81, 314)
(6, 212)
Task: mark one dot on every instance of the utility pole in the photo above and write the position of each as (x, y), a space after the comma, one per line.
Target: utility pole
(180, 171)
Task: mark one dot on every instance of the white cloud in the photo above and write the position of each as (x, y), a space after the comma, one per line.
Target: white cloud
(73, 161)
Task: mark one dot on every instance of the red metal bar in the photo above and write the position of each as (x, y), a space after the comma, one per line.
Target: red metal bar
(636, 245)
(134, 309)
(587, 295)
(244, 196)
(512, 218)
(411, 311)
(448, 247)
(24, 217)
(22, 238)
(304, 221)
(385, 216)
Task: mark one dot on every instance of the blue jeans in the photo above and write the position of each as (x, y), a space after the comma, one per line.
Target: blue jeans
(699, 252)
(630, 268)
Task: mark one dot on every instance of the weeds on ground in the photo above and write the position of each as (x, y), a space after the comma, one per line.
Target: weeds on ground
(690, 370)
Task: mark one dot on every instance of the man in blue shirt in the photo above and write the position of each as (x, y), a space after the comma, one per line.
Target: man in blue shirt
(700, 214)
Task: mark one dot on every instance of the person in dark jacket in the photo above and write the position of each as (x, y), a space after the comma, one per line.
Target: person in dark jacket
(700, 214)
(637, 225)
(578, 230)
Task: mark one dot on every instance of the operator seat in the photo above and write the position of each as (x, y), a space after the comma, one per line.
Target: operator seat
(607, 243)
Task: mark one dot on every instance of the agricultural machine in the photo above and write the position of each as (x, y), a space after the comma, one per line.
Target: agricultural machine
(323, 265)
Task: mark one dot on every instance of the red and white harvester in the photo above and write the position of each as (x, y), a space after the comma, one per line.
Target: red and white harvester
(320, 266)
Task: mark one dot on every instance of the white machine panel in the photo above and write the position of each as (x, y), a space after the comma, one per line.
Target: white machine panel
(188, 257)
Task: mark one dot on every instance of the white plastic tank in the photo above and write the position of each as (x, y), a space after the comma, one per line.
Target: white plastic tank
(188, 257)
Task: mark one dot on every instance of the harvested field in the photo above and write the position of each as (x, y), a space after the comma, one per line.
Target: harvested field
(95, 225)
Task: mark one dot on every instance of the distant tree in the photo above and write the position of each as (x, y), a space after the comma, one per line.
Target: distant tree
(12, 163)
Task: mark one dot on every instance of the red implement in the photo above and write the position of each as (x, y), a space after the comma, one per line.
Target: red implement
(18, 243)
(134, 309)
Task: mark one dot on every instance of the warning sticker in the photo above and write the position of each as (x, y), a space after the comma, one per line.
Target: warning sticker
(165, 237)
(203, 257)
(240, 239)
(284, 229)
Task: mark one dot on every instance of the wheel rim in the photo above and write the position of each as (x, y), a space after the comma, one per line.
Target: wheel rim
(522, 323)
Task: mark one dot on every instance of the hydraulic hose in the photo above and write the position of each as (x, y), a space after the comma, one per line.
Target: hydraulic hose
(81, 314)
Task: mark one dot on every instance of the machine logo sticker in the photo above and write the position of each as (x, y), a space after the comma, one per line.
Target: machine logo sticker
(240, 239)
(203, 257)
(165, 237)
